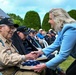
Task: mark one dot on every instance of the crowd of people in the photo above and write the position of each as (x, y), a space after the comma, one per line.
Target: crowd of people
(20, 44)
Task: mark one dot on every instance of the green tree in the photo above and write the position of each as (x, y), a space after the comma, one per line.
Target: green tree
(72, 13)
(45, 25)
(16, 19)
(32, 20)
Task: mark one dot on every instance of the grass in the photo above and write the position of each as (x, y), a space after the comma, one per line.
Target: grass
(66, 63)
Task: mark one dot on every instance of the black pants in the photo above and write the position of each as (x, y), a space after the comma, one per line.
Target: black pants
(50, 72)
(72, 69)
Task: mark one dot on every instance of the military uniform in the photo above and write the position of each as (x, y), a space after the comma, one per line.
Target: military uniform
(9, 57)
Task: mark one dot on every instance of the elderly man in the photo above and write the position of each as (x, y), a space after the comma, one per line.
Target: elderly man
(9, 56)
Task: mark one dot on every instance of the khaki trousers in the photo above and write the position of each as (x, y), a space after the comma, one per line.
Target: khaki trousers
(11, 71)
(26, 73)
(8, 71)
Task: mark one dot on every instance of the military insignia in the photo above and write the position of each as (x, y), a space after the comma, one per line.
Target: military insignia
(9, 52)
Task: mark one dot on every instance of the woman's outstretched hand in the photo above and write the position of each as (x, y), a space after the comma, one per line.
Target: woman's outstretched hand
(39, 67)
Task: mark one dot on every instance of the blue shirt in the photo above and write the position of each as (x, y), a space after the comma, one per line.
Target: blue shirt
(39, 35)
(66, 40)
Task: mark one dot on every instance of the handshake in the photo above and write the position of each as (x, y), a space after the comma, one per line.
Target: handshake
(37, 67)
(33, 55)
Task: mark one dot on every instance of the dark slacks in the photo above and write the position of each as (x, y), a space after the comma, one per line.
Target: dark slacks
(72, 69)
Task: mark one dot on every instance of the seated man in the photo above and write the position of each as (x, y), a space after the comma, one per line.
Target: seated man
(23, 45)
(9, 56)
(20, 41)
(33, 40)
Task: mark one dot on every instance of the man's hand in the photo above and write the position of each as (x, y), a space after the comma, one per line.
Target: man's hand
(31, 56)
(38, 53)
(39, 68)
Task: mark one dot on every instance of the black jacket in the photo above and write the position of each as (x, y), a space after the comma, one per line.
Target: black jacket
(24, 47)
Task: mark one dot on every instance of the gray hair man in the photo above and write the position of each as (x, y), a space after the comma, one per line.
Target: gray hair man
(9, 55)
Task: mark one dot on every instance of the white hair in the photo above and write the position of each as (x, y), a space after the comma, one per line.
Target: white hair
(40, 30)
(60, 17)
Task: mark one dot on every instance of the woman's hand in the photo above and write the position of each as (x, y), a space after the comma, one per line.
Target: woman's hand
(39, 68)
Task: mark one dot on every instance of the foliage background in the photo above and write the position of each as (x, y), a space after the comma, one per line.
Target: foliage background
(32, 19)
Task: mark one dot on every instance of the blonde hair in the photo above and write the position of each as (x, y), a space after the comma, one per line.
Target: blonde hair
(60, 18)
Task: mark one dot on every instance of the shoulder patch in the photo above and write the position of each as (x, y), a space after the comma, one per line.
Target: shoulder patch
(2, 42)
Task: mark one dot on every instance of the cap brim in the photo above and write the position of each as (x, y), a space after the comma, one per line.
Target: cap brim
(16, 25)
(10, 24)
(25, 33)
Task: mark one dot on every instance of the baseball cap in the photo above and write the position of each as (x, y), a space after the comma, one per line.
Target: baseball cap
(7, 21)
(32, 31)
(23, 29)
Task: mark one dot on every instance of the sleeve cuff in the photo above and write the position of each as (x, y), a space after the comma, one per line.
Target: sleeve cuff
(51, 67)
